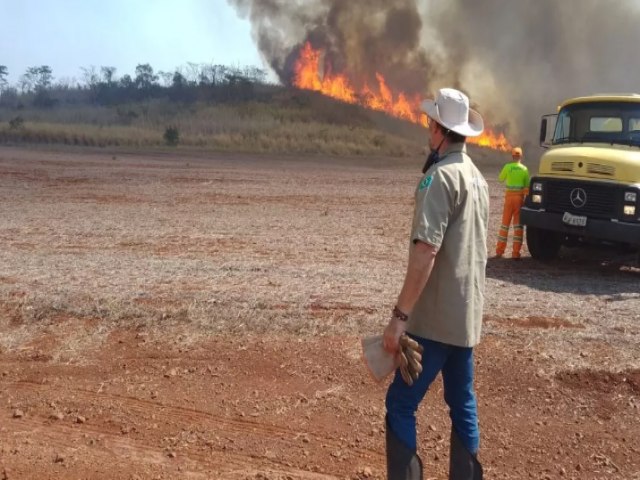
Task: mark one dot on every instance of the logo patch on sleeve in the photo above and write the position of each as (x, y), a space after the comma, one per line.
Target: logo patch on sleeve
(425, 183)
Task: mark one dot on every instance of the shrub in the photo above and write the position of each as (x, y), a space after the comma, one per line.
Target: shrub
(171, 136)
(16, 123)
(126, 116)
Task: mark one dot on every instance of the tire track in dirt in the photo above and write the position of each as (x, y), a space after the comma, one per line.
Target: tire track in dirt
(192, 464)
(177, 415)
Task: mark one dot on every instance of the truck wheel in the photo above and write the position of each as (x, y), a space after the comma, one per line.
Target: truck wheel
(543, 244)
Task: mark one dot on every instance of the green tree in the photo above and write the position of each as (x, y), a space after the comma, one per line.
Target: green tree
(256, 75)
(36, 78)
(90, 76)
(178, 80)
(192, 74)
(27, 81)
(3, 77)
(172, 136)
(43, 76)
(126, 81)
(145, 78)
(104, 89)
(166, 78)
(108, 75)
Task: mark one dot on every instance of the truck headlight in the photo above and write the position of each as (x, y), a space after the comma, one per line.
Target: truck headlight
(536, 186)
(630, 197)
(537, 199)
(629, 210)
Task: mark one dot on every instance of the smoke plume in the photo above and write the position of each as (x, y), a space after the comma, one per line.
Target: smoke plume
(516, 59)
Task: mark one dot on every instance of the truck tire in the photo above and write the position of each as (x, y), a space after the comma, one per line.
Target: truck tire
(543, 244)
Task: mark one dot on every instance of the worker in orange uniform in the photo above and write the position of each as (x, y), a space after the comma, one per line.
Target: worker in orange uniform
(516, 178)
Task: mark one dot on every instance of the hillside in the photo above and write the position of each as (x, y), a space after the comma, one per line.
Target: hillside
(275, 120)
(278, 120)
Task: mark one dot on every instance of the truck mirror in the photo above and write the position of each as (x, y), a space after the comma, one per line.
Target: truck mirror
(548, 123)
(543, 131)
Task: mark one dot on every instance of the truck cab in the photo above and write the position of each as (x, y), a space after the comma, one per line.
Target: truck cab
(587, 188)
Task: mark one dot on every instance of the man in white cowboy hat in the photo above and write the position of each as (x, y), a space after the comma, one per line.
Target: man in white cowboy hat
(440, 303)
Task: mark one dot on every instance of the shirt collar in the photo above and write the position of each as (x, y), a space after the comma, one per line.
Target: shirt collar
(454, 148)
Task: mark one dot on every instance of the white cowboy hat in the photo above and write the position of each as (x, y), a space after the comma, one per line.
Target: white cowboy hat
(451, 110)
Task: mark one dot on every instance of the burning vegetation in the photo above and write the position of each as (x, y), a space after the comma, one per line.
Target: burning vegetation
(513, 59)
(311, 73)
(366, 53)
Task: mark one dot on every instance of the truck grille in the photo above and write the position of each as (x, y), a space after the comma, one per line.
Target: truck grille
(600, 199)
(562, 166)
(597, 169)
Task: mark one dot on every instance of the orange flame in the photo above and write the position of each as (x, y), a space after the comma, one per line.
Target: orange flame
(309, 76)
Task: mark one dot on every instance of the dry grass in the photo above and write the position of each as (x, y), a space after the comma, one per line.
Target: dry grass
(291, 123)
(242, 244)
(80, 135)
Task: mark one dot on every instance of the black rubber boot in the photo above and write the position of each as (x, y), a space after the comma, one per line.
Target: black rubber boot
(463, 465)
(402, 462)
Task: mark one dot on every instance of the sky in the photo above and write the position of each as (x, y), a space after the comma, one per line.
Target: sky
(70, 34)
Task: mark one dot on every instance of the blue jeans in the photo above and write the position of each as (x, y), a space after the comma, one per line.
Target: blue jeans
(456, 364)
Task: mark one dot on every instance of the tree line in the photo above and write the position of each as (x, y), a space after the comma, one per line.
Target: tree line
(100, 85)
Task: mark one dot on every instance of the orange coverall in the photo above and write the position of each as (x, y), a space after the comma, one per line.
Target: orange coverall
(516, 177)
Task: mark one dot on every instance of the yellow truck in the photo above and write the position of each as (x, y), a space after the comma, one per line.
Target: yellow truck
(587, 189)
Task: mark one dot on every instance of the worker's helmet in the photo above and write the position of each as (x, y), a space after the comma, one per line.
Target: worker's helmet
(516, 152)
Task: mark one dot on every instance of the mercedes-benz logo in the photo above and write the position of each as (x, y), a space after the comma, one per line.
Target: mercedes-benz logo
(578, 197)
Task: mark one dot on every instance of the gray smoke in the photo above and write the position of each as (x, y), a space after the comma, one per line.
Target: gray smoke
(516, 59)
(359, 38)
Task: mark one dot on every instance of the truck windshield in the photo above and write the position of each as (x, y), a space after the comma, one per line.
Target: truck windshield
(599, 122)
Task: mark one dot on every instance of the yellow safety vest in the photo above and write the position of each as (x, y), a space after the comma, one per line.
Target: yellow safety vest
(516, 177)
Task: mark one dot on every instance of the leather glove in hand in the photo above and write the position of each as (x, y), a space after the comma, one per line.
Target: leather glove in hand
(409, 359)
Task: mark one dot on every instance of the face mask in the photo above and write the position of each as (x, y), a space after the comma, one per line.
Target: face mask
(433, 158)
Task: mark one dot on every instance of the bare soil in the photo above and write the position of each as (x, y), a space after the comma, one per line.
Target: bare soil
(182, 316)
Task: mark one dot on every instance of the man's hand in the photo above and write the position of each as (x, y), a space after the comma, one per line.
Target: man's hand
(392, 333)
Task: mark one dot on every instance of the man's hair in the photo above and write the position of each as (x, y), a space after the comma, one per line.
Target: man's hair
(453, 137)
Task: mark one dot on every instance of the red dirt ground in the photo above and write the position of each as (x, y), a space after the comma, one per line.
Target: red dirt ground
(167, 317)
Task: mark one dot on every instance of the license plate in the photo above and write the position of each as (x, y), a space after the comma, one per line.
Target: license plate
(574, 220)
